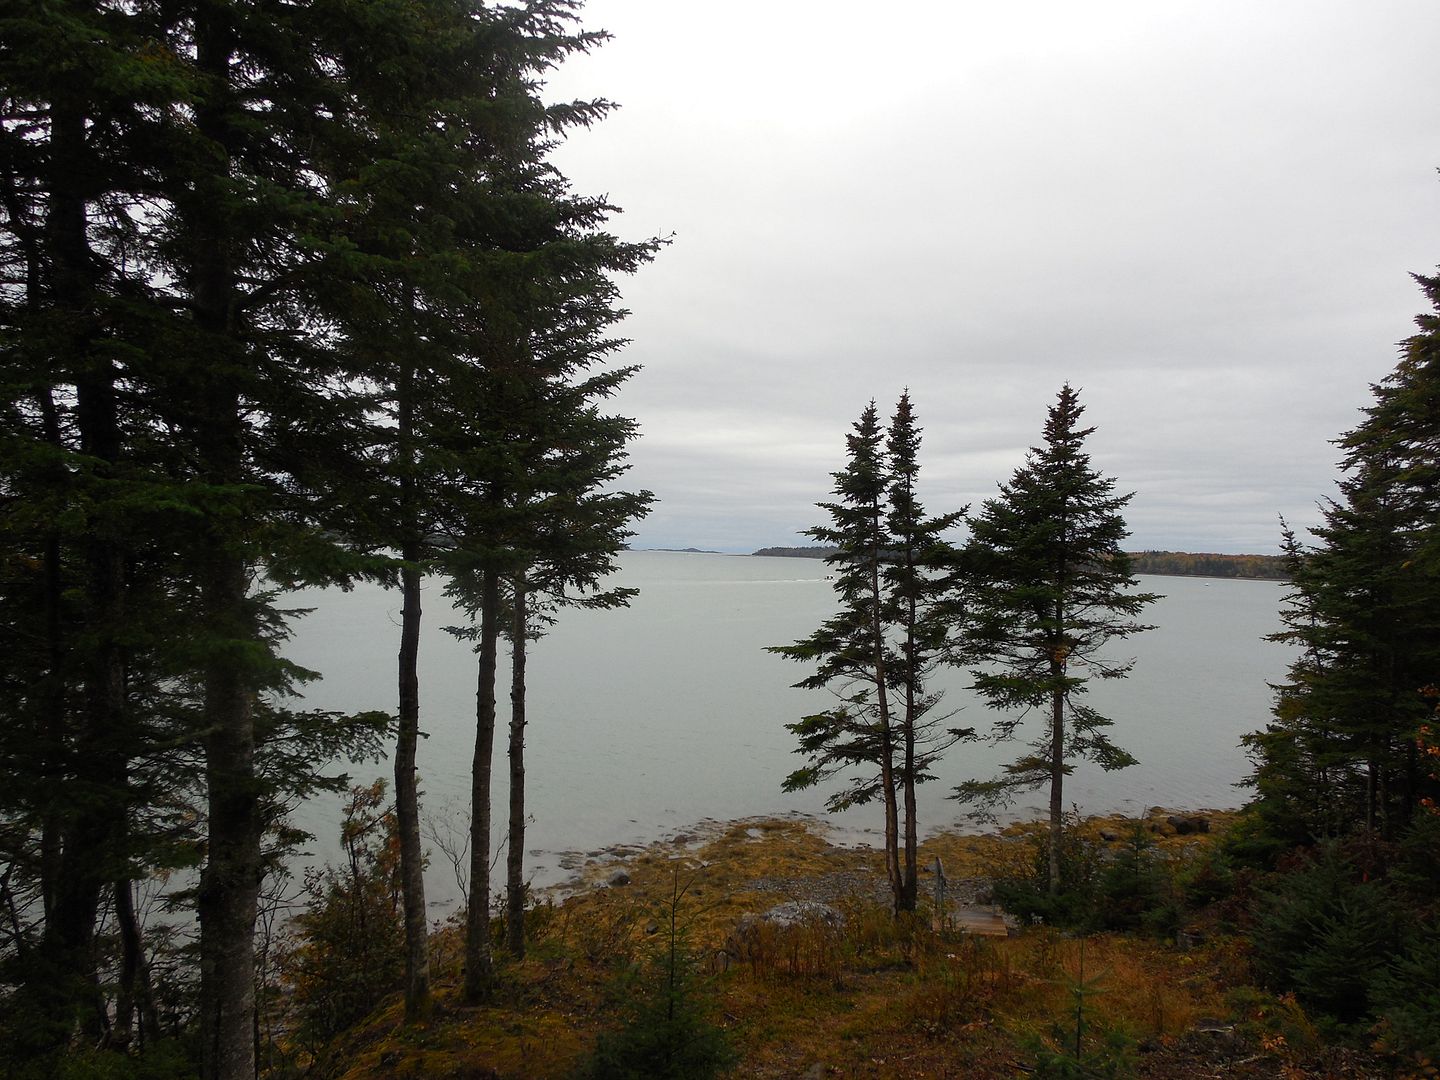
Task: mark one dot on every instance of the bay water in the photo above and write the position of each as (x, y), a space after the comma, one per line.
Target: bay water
(647, 720)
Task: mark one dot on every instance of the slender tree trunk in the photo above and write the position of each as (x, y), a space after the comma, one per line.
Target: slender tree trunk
(479, 963)
(52, 709)
(407, 804)
(515, 852)
(1383, 793)
(135, 1005)
(1057, 774)
(1059, 664)
(230, 881)
(37, 240)
(92, 835)
(1371, 787)
(911, 885)
(1412, 782)
(887, 738)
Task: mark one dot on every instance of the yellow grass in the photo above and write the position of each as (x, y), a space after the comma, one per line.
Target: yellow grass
(881, 997)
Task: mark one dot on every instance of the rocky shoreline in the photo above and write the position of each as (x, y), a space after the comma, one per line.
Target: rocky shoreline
(752, 865)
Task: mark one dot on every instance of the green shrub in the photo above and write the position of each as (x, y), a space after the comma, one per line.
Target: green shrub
(1133, 890)
(665, 1029)
(1076, 1049)
(1261, 1017)
(1112, 1059)
(164, 1060)
(1134, 886)
(1207, 878)
(1028, 896)
(1326, 935)
(1407, 998)
(349, 948)
(1415, 871)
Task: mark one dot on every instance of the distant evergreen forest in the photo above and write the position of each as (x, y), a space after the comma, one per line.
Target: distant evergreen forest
(1208, 564)
(798, 552)
(1172, 563)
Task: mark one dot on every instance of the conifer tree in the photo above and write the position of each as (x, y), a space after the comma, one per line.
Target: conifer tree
(251, 255)
(1344, 752)
(529, 453)
(853, 656)
(162, 216)
(84, 493)
(578, 525)
(899, 590)
(922, 596)
(1049, 588)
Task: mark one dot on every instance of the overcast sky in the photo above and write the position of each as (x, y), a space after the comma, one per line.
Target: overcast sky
(1203, 214)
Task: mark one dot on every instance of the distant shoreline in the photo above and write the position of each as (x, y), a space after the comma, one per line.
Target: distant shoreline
(1157, 563)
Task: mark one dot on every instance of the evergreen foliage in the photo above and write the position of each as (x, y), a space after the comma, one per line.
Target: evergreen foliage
(1050, 588)
(1325, 933)
(665, 1029)
(1406, 994)
(894, 575)
(853, 658)
(922, 601)
(283, 288)
(1347, 750)
(1348, 753)
(348, 949)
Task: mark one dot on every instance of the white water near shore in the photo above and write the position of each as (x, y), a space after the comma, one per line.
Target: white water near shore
(647, 720)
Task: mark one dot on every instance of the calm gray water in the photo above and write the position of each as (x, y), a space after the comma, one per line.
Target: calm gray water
(647, 720)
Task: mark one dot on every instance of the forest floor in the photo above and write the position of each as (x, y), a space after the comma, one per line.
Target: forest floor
(871, 996)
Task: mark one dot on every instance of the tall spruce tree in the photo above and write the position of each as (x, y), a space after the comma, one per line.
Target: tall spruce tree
(525, 419)
(1049, 589)
(579, 524)
(88, 488)
(923, 599)
(456, 240)
(420, 228)
(1344, 752)
(899, 588)
(160, 195)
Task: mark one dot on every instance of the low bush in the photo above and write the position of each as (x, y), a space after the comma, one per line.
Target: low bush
(1326, 934)
(1101, 888)
(348, 951)
(665, 1029)
(1407, 999)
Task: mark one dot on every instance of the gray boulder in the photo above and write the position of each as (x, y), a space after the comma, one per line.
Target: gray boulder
(783, 920)
(799, 913)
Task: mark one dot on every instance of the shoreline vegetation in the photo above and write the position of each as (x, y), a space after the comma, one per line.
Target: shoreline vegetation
(845, 989)
(1158, 563)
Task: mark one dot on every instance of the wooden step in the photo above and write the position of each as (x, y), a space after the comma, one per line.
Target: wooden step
(982, 921)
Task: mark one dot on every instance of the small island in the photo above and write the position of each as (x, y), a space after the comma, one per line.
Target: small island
(813, 552)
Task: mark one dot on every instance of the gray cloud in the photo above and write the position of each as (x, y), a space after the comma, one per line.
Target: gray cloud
(1204, 214)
